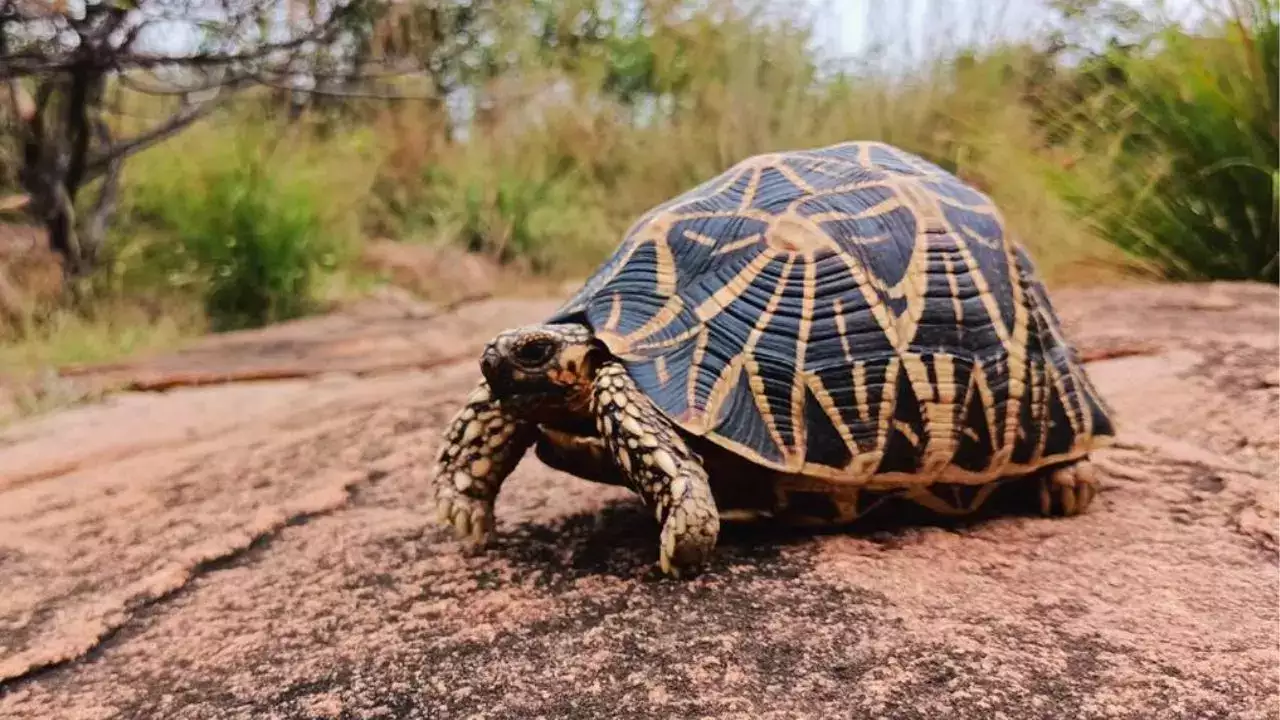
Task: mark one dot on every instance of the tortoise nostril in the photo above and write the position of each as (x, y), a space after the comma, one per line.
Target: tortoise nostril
(490, 364)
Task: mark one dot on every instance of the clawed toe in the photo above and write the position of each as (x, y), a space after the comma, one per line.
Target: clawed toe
(1069, 490)
(470, 519)
(687, 541)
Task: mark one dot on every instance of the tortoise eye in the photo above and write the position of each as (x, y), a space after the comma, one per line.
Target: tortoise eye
(535, 352)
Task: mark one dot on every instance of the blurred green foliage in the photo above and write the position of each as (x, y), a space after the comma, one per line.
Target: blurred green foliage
(1118, 141)
(1178, 146)
(611, 113)
(1121, 138)
(248, 222)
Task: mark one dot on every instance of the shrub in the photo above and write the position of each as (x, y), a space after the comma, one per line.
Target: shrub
(250, 222)
(523, 195)
(1178, 157)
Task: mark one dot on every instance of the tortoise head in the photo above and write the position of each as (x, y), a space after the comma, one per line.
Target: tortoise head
(542, 364)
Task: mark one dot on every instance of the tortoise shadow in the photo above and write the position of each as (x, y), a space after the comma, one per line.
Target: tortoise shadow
(621, 540)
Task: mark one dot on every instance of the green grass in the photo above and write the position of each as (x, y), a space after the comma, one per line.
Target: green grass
(109, 334)
(29, 383)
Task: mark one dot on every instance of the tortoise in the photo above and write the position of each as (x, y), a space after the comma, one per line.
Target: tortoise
(801, 337)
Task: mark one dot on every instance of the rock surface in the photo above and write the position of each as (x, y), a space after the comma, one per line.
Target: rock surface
(260, 550)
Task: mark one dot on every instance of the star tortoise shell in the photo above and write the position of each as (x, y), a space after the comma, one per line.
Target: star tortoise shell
(852, 313)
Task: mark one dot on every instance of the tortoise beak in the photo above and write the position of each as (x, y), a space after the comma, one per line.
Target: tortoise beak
(495, 371)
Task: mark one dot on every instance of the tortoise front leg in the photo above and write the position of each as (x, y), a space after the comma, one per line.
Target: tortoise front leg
(658, 465)
(481, 446)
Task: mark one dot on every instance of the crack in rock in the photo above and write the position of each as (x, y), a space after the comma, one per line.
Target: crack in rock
(175, 575)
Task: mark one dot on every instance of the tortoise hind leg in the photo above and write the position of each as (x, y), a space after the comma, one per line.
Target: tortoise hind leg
(1069, 489)
(951, 499)
(1065, 490)
(658, 465)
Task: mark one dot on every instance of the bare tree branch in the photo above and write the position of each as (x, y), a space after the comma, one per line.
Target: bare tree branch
(265, 81)
(165, 130)
(36, 62)
(70, 53)
(270, 78)
(95, 226)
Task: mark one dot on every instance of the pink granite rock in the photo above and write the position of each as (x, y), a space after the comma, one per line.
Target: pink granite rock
(261, 551)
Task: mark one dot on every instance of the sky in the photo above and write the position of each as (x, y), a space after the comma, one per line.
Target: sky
(859, 22)
(852, 27)
(856, 25)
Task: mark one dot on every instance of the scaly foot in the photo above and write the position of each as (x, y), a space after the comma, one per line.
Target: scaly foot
(481, 446)
(1068, 490)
